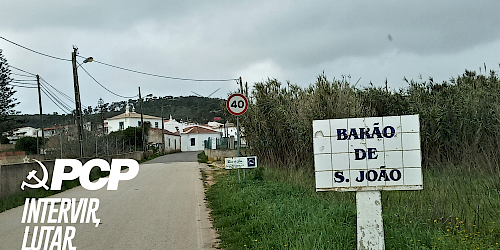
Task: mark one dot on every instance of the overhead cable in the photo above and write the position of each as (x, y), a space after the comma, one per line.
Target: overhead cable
(60, 92)
(34, 51)
(126, 97)
(21, 86)
(65, 108)
(20, 75)
(130, 70)
(56, 97)
(10, 66)
(65, 111)
(162, 76)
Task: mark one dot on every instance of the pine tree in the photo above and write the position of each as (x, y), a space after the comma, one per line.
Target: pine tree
(7, 101)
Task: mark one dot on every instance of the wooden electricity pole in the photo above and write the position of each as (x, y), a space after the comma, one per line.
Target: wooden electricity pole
(142, 123)
(41, 116)
(77, 101)
(162, 131)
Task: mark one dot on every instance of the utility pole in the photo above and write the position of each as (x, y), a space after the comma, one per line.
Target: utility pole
(77, 101)
(142, 122)
(162, 131)
(40, 105)
(241, 86)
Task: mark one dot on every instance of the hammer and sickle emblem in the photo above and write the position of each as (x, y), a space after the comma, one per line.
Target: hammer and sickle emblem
(31, 175)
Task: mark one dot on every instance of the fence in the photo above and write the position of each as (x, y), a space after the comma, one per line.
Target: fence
(221, 143)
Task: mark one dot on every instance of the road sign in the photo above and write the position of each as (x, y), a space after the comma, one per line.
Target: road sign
(367, 155)
(237, 104)
(241, 162)
(372, 153)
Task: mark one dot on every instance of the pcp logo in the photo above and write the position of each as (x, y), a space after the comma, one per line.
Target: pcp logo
(83, 173)
(41, 183)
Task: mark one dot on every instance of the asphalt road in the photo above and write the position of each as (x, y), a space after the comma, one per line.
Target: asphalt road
(161, 208)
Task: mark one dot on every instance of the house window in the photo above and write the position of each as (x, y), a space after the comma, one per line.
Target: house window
(192, 141)
(121, 125)
(169, 142)
(138, 123)
(156, 124)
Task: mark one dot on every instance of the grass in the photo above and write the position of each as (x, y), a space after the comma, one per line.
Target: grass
(278, 209)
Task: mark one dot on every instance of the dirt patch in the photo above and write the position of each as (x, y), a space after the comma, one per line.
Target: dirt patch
(210, 170)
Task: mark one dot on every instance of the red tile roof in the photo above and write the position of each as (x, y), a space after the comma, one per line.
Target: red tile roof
(199, 130)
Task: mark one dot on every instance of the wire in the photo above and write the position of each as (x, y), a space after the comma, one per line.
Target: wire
(126, 97)
(23, 80)
(56, 97)
(20, 86)
(60, 101)
(24, 83)
(58, 58)
(20, 75)
(162, 76)
(60, 92)
(56, 101)
(10, 66)
(65, 111)
(130, 70)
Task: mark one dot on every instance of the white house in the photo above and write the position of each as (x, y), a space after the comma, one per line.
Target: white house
(174, 126)
(22, 132)
(172, 142)
(193, 137)
(129, 119)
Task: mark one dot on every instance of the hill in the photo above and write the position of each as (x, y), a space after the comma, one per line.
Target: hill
(183, 108)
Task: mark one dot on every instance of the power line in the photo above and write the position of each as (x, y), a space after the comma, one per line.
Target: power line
(20, 75)
(126, 97)
(60, 92)
(65, 108)
(55, 102)
(60, 101)
(162, 76)
(10, 66)
(54, 57)
(130, 70)
(21, 86)
(24, 80)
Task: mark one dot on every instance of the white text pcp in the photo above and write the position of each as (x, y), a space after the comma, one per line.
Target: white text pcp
(83, 172)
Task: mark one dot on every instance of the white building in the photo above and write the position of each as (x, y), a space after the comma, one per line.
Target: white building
(193, 137)
(22, 132)
(129, 119)
(174, 126)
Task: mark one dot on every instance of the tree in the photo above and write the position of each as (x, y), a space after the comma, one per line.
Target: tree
(27, 144)
(7, 101)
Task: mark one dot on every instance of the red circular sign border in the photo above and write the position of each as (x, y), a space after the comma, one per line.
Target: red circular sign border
(242, 112)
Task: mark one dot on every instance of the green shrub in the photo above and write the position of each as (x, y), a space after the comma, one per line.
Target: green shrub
(459, 119)
(27, 144)
(202, 157)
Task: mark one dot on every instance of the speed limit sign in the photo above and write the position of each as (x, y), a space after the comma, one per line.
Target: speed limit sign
(237, 104)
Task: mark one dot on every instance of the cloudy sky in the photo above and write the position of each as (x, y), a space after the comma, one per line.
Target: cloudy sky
(287, 40)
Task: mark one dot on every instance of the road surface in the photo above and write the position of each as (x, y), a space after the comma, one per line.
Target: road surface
(161, 208)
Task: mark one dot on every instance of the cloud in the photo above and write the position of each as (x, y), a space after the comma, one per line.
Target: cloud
(285, 39)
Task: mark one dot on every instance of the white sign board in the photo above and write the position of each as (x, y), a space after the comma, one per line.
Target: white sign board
(241, 162)
(373, 153)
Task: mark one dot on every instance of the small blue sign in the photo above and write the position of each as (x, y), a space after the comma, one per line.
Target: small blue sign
(251, 162)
